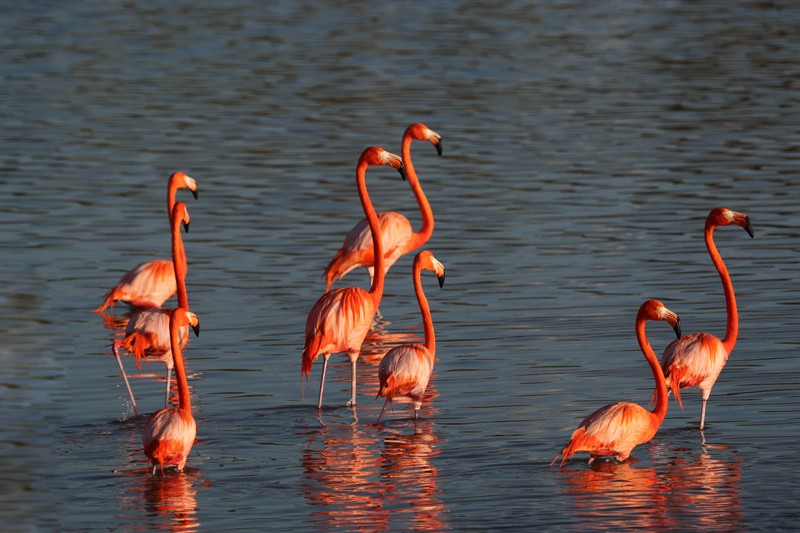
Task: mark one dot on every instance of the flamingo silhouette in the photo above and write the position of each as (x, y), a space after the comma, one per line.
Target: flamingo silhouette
(697, 360)
(397, 236)
(152, 283)
(405, 370)
(147, 332)
(340, 319)
(616, 429)
(169, 433)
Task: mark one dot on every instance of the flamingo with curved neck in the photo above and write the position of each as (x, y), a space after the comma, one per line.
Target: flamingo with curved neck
(616, 429)
(397, 236)
(169, 433)
(147, 332)
(151, 283)
(405, 370)
(697, 360)
(340, 319)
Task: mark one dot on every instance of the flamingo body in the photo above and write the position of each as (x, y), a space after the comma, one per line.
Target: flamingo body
(340, 319)
(397, 235)
(169, 433)
(406, 370)
(616, 429)
(697, 360)
(152, 283)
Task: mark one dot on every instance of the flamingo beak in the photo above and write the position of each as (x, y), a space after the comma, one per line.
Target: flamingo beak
(194, 193)
(747, 227)
(441, 280)
(186, 227)
(402, 170)
(196, 330)
(677, 326)
(438, 147)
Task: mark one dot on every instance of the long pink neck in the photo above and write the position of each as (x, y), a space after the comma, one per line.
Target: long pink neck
(184, 399)
(425, 310)
(376, 290)
(660, 410)
(732, 327)
(418, 238)
(172, 194)
(179, 262)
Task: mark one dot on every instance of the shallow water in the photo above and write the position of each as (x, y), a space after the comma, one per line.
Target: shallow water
(583, 148)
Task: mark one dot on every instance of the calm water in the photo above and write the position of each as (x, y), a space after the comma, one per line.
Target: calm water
(583, 147)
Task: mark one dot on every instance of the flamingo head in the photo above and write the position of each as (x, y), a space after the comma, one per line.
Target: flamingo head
(375, 155)
(425, 261)
(655, 310)
(180, 215)
(722, 216)
(183, 181)
(420, 132)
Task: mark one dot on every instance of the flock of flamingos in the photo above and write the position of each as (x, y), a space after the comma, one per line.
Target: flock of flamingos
(341, 317)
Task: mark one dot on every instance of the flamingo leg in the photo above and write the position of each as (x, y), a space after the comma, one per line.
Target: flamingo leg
(169, 381)
(703, 413)
(322, 379)
(125, 377)
(352, 402)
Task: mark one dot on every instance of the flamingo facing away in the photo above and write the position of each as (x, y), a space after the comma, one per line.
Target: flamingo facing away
(169, 433)
(340, 319)
(697, 360)
(152, 283)
(147, 333)
(398, 238)
(405, 370)
(616, 429)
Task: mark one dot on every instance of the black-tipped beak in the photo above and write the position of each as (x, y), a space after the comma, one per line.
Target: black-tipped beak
(441, 280)
(747, 227)
(438, 147)
(196, 330)
(194, 193)
(677, 327)
(402, 170)
(186, 227)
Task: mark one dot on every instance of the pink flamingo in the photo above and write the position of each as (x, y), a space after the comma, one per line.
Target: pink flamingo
(405, 370)
(152, 283)
(397, 236)
(147, 332)
(340, 319)
(616, 429)
(697, 360)
(169, 433)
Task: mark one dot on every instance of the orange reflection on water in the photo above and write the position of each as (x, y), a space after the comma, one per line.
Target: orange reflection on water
(341, 465)
(683, 491)
(411, 479)
(368, 478)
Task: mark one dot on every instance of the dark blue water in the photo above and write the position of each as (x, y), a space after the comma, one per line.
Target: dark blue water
(583, 147)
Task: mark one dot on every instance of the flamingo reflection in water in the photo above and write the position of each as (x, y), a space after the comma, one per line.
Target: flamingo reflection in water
(162, 503)
(412, 489)
(678, 491)
(341, 465)
(366, 477)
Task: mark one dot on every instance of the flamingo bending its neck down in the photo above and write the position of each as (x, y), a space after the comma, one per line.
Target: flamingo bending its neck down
(169, 433)
(152, 283)
(397, 236)
(147, 332)
(697, 360)
(405, 370)
(616, 429)
(340, 319)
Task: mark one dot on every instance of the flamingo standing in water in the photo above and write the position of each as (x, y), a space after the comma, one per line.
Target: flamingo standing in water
(340, 319)
(405, 370)
(152, 283)
(697, 360)
(169, 433)
(397, 236)
(616, 429)
(147, 333)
